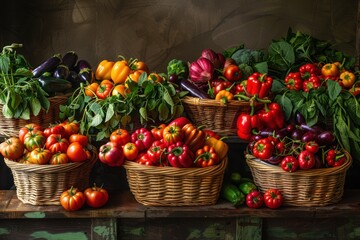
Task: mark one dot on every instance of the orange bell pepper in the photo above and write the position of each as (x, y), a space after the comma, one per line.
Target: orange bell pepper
(330, 70)
(348, 79)
(139, 65)
(134, 76)
(120, 71)
(224, 96)
(103, 71)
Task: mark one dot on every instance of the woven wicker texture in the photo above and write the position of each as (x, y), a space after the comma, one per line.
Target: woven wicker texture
(215, 115)
(10, 126)
(170, 186)
(43, 184)
(314, 187)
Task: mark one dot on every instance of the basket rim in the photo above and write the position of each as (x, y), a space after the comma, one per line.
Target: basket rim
(50, 168)
(174, 171)
(276, 169)
(213, 102)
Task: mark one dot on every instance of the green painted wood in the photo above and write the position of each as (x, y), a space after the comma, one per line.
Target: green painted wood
(249, 228)
(104, 229)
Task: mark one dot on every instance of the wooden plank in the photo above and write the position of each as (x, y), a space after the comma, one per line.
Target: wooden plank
(249, 228)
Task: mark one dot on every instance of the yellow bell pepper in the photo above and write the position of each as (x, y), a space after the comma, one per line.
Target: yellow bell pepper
(120, 71)
(155, 77)
(224, 96)
(139, 65)
(220, 146)
(103, 71)
(348, 79)
(330, 70)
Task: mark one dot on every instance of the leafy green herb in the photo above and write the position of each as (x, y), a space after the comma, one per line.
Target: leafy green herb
(21, 95)
(148, 102)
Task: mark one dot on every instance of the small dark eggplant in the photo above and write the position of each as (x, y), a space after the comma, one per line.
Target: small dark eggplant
(308, 136)
(52, 85)
(81, 64)
(61, 71)
(325, 138)
(86, 75)
(48, 65)
(266, 132)
(274, 159)
(315, 129)
(299, 118)
(69, 59)
(74, 79)
(193, 89)
(297, 134)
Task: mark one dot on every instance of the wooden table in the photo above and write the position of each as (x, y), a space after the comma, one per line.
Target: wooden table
(124, 218)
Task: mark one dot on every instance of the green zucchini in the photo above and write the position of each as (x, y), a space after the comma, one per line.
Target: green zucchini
(233, 194)
(51, 84)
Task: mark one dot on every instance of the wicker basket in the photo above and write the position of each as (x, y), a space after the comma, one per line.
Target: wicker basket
(10, 127)
(215, 115)
(43, 184)
(314, 187)
(170, 186)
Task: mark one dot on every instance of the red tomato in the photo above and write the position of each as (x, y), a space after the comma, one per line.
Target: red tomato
(77, 152)
(56, 129)
(55, 143)
(34, 139)
(273, 198)
(312, 146)
(12, 148)
(77, 137)
(111, 155)
(96, 196)
(120, 137)
(31, 127)
(306, 160)
(59, 158)
(70, 128)
(232, 73)
(173, 134)
(72, 199)
(130, 151)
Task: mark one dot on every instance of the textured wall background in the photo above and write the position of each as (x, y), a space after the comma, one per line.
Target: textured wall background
(158, 30)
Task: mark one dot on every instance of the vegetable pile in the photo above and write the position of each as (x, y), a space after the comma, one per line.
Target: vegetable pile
(177, 144)
(123, 93)
(58, 144)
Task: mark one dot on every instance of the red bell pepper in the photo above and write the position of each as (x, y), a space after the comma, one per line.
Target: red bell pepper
(306, 160)
(313, 82)
(259, 84)
(142, 138)
(289, 163)
(308, 69)
(334, 158)
(247, 125)
(263, 149)
(293, 81)
(272, 116)
(180, 155)
(254, 199)
(157, 152)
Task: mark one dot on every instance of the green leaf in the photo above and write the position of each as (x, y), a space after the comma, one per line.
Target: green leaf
(143, 113)
(96, 108)
(109, 112)
(100, 135)
(149, 89)
(142, 79)
(25, 114)
(261, 67)
(333, 89)
(4, 64)
(167, 98)
(35, 106)
(281, 55)
(163, 111)
(285, 104)
(96, 120)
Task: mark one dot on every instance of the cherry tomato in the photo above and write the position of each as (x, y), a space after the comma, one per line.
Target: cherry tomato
(77, 152)
(130, 151)
(72, 199)
(77, 137)
(96, 196)
(312, 146)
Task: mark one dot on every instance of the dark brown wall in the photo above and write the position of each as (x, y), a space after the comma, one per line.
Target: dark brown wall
(158, 30)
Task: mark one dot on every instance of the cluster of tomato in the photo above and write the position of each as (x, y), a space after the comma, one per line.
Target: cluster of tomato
(312, 76)
(111, 77)
(177, 144)
(311, 150)
(58, 144)
(74, 199)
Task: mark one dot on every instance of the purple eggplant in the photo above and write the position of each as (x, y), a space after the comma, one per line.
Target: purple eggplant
(281, 133)
(193, 89)
(315, 128)
(81, 64)
(61, 71)
(325, 138)
(274, 159)
(86, 75)
(297, 134)
(74, 79)
(48, 65)
(173, 78)
(299, 118)
(69, 59)
(308, 136)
